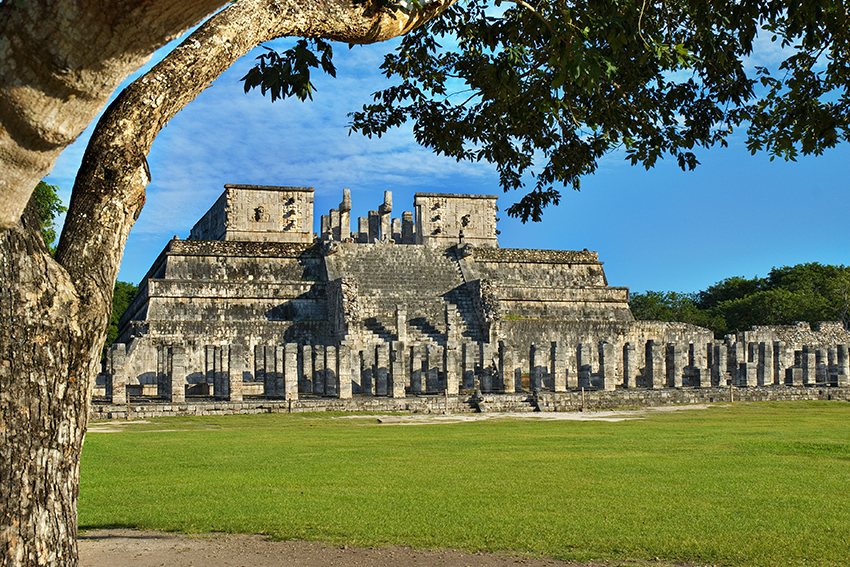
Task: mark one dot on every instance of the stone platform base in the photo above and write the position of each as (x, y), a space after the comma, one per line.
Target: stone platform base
(577, 400)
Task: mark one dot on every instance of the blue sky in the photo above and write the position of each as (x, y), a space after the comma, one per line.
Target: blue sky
(662, 229)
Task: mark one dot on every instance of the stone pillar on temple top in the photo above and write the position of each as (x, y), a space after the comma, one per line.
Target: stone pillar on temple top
(385, 212)
(345, 215)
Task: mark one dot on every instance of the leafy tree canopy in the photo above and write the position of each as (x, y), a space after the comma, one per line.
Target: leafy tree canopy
(544, 89)
(48, 205)
(806, 292)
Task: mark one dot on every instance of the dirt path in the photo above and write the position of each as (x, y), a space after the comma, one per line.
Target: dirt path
(130, 548)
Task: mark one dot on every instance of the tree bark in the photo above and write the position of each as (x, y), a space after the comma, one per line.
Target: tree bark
(59, 63)
(56, 311)
(45, 367)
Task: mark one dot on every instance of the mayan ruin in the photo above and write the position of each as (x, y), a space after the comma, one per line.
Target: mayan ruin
(422, 311)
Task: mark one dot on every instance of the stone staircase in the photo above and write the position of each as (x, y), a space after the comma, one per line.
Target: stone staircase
(425, 280)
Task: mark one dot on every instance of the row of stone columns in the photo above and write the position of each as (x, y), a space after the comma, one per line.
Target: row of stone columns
(396, 369)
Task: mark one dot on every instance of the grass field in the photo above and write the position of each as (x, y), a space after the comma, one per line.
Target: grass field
(747, 484)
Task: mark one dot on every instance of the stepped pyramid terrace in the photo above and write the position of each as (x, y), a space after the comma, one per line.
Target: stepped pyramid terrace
(413, 311)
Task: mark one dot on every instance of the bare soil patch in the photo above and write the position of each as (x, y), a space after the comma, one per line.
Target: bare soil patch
(131, 548)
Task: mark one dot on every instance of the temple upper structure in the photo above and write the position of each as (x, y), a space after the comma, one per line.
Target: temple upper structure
(260, 214)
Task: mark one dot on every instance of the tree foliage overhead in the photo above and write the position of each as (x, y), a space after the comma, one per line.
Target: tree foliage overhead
(806, 292)
(543, 90)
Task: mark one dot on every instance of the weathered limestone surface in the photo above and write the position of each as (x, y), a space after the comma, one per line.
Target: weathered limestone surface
(256, 306)
(259, 213)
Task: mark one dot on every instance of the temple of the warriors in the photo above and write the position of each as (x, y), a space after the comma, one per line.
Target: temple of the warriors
(423, 305)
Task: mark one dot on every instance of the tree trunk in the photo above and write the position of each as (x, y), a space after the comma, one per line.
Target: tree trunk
(59, 63)
(45, 367)
(55, 312)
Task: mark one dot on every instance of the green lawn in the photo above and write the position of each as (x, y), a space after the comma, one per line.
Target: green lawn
(745, 485)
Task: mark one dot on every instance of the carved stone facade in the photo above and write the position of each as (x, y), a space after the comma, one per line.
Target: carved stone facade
(259, 214)
(255, 304)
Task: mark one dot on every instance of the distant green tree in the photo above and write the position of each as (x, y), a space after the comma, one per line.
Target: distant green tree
(121, 298)
(49, 205)
(673, 306)
(806, 292)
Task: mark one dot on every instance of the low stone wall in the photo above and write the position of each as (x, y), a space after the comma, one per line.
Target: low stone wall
(578, 400)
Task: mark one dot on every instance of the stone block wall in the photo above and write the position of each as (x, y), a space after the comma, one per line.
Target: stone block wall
(444, 219)
(259, 213)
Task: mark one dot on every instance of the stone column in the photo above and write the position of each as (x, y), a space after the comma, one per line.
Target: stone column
(748, 374)
(765, 371)
(269, 374)
(374, 226)
(451, 316)
(260, 365)
(178, 374)
(335, 232)
(416, 370)
(221, 382)
(573, 366)
(832, 366)
(118, 374)
(398, 369)
(700, 367)
(290, 371)
(209, 366)
(331, 375)
(306, 374)
(656, 365)
(363, 230)
(607, 366)
(452, 387)
(382, 370)
(583, 379)
(809, 369)
(367, 370)
(536, 370)
(506, 368)
(345, 356)
(401, 323)
(325, 227)
(794, 376)
(489, 357)
(820, 366)
(721, 355)
(237, 367)
(674, 365)
(433, 360)
(468, 365)
(706, 369)
(396, 230)
(843, 363)
(782, 359)
(738, 356)
(630, 368)
(407, 234)
(319, 370)
(162, 360)
(559, 367)
(280, 379)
